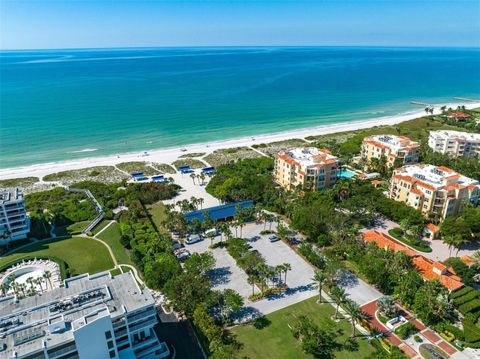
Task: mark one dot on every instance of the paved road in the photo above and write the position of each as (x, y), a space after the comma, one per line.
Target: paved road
(357, 290)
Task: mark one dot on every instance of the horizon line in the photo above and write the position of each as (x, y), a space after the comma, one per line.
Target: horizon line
(240, 46)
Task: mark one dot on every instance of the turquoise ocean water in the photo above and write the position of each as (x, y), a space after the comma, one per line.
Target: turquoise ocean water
(67, 104)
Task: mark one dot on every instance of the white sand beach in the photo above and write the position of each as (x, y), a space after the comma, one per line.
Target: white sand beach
(171, 154)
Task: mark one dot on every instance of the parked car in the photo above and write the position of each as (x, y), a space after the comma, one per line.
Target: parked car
(182, 254)
(177, 245)
(273, 238)
(211, 231)
(193, 238)
(254, 238)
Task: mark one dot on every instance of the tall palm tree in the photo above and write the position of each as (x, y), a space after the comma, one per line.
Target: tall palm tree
(319, 278)
(286, 267)
(4, 287)
(452, 241)
(356, 314)
(48, 277)
(192, 176)
(339, 296)
(252, 279)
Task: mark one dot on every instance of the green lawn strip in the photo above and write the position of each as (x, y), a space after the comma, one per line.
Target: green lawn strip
(395, 233)
(126, 269)
(100, 226)
(275, 339)
(115, 272)
(82, 255)
(157, 213)
(111, 236)
(72, 229)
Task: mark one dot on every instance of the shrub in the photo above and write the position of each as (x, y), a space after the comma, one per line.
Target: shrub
(461, 292)
(466, 298)
(457, 332)
(470, 306)
(471, 331)
(406, 330)
(417, 339)
(449, 337)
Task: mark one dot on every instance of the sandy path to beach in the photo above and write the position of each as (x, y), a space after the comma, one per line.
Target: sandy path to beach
(171, 154)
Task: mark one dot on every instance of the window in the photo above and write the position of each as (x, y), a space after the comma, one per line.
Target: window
(108, 334)
(110, 344)
(112, 354)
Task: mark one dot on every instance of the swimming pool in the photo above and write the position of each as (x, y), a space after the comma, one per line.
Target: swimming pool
(346, 173)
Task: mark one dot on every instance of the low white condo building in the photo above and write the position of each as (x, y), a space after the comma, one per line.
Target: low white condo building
(14, 223)
(455, 143)
(90, 317)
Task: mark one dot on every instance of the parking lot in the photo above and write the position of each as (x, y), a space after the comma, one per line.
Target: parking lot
(228, 275)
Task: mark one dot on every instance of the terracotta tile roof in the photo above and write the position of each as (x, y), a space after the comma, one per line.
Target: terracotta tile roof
(428, 268)
(417, 191)
(459, 115)
(384, 241)
(376, 182)
(467, 260)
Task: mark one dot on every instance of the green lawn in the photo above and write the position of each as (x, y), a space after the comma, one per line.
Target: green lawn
(157, 212)
(82, 255)
(100, 226)
(112, 236)
(275, 340)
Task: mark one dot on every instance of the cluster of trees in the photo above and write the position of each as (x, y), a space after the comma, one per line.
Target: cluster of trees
(29, 287)
(56, 206)
(248, 179)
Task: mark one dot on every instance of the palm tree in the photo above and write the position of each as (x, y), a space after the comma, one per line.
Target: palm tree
(339, 296)
(39, 281)
(202, 177)
(4, 287)
(47, 276)
(356, 314)
(319, 278)
(286, 267)
(252, 279)
(192, 176)
(200, 201)
(452, 241)
(30, 281)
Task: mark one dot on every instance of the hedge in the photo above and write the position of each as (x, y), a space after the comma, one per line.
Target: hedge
(466, 298)
(470, 306)
(471, 331)
(459, 335)
(461, 292)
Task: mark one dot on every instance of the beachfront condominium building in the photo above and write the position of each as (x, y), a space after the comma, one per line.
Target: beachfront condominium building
(437, 192)
(305, 167)
(90, 317)
(14, 223)
(455, 143)
(396, 150)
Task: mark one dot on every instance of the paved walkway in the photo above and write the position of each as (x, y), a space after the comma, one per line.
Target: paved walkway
(408, 346)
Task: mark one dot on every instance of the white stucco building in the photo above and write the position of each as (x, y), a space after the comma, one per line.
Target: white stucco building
(455, 143)
(14, 223)
(90, 317)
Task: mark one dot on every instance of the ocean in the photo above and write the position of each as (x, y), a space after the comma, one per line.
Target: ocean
(68, 104)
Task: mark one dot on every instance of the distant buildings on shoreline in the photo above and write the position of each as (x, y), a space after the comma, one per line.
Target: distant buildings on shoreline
(305, 167)
(455, 143)
(397, 150)
(14, 223)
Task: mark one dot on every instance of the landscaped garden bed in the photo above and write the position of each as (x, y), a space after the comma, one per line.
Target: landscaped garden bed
(418, 244)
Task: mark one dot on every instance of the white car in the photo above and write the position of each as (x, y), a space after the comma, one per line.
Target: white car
(193, 238)
(182, 254)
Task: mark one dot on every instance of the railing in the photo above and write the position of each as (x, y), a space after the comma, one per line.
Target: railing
(98, 207)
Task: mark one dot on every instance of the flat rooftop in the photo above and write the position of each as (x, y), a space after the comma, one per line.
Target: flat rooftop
(393, 142)
(26, 324)
(435, 176)
(10, 194)
(309, 156)
(463, 136)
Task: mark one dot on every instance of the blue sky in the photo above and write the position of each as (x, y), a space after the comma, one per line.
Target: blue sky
(120, 23)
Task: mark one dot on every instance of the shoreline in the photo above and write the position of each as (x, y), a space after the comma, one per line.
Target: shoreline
(168, 155)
